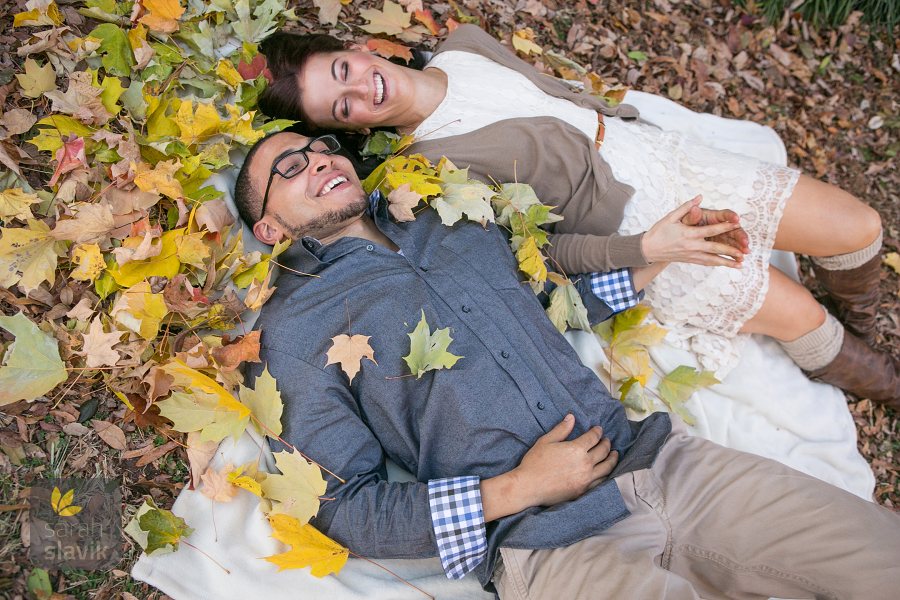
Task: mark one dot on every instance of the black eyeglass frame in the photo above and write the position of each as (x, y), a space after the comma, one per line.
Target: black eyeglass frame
(329, 139)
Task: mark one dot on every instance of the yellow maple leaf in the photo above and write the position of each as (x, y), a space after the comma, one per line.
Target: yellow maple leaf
(164, 264)
(892, 259)
(15, 203)
(247, 478)
(28, 256)
(191, 379)
(53, 131)
(348, 352)
(36, 79)
(159, 124)
(391, 20)
(162, 15)
(40, 13)
(159, 179)
(309, 547)
(240, 125)
(197, 124)
(297, 489)
(225, 69)
(192, 250)
(531, 261)
(89, 260)
(523, 41)
(140, 310)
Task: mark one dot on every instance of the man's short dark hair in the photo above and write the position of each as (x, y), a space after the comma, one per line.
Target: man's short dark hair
(247, 198)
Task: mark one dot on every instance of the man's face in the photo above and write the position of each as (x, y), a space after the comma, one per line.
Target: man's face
(320, 202)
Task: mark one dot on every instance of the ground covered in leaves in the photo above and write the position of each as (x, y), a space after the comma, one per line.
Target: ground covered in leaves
(832, 96)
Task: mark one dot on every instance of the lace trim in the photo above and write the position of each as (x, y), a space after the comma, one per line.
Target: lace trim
(703, 307)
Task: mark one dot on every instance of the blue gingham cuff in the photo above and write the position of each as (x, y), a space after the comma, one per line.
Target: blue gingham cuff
(616, 289)
(458, 523)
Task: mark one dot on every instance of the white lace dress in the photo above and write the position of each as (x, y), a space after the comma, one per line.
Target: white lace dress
(703, 307)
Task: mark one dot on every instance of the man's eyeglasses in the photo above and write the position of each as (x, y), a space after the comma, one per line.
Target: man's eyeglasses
(291, 164)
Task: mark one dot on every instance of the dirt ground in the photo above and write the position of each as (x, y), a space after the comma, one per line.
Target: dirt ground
(832, 96)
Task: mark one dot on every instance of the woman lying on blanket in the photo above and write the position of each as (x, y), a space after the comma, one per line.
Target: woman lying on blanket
(618, 181)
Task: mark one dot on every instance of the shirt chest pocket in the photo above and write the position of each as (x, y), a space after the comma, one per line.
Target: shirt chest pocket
(486, 253)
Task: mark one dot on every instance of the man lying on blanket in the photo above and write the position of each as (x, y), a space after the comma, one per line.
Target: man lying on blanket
(527, 471)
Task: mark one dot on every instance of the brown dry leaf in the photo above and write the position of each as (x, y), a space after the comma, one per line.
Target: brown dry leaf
(81, 100)
(329, 11)
(17, 121)
(92, 223)
(229, 356)
(135, 248)
(402, 201)
(159, 383)
(216, 485)
(156, 453)
(98, 345)
(110, 433)
(199, 454)
(349, 352)
(214, 215)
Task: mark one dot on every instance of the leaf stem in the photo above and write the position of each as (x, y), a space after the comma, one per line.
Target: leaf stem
(427, 595)
(218, 564)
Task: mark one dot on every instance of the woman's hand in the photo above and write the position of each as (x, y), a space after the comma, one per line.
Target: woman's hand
(670, 240)
(736, 238)
(555, 470)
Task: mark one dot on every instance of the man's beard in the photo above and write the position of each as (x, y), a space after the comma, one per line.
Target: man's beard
(325, 223)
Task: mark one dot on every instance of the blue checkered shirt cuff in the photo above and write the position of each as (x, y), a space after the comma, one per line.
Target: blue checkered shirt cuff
(616, 289)
(458, 523)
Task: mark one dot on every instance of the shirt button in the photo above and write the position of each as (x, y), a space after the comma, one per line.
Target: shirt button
(504, 354)
(466, 308)
(370, 247)
(540, 405)
(423, 269)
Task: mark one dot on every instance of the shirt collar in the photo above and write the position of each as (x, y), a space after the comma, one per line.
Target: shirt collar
(308, 255)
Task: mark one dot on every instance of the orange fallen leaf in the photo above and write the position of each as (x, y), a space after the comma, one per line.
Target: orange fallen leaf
(349, 352)
(389, 49)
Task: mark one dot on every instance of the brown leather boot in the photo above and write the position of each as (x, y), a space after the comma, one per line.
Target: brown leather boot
(863, 372)
(855, 296)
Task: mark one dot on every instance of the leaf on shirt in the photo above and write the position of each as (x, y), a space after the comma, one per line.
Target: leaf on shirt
(472, 199)
(296, 490)
(677, 387)
(348, 351)
(402, 201)
(428, 351)
(531, 261)
(309, 547)
(566, 308)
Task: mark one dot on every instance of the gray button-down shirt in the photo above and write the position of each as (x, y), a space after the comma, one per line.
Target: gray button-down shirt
(517, 379)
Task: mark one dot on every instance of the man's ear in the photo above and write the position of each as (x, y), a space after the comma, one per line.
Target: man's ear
(267, 232)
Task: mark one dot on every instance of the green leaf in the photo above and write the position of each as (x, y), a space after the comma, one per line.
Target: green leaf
(116, 51)
(164, 529)
(471, 199)
(33, 366)
(38, 584)
(677, 387)
(203, 412)
(637, 55)
(264, 402)
(428, 351)
(567, 309)
(297, 488)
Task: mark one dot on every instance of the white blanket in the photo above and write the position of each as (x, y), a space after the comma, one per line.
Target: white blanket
(765, 405)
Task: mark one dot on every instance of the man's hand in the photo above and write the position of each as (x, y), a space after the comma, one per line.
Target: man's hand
(701, 217)
(555, 470)
(670, 240)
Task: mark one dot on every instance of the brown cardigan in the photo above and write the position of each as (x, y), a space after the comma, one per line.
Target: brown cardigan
(555, 158)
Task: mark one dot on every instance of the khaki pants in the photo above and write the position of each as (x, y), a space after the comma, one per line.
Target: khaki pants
(710, 522)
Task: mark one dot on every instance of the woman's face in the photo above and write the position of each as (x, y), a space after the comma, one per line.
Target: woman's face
(354, 90)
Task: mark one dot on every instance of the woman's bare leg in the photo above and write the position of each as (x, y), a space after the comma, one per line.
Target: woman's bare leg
(821, 219)
(788, 311)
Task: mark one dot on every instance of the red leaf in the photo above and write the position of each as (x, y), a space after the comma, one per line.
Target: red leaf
(389, 49)
(427, 19)
(451, 24)
(253, 69)
(69, 157)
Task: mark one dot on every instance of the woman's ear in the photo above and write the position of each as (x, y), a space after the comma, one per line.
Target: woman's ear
(358, 47)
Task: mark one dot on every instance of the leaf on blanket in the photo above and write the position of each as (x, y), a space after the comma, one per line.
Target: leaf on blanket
(348, 351)
(216, 485)
(248, 477)
(156, 530)
(296, 490)
(199, 454)
(264, 404)
(428, 351)
(677, 387)
(309, 548)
